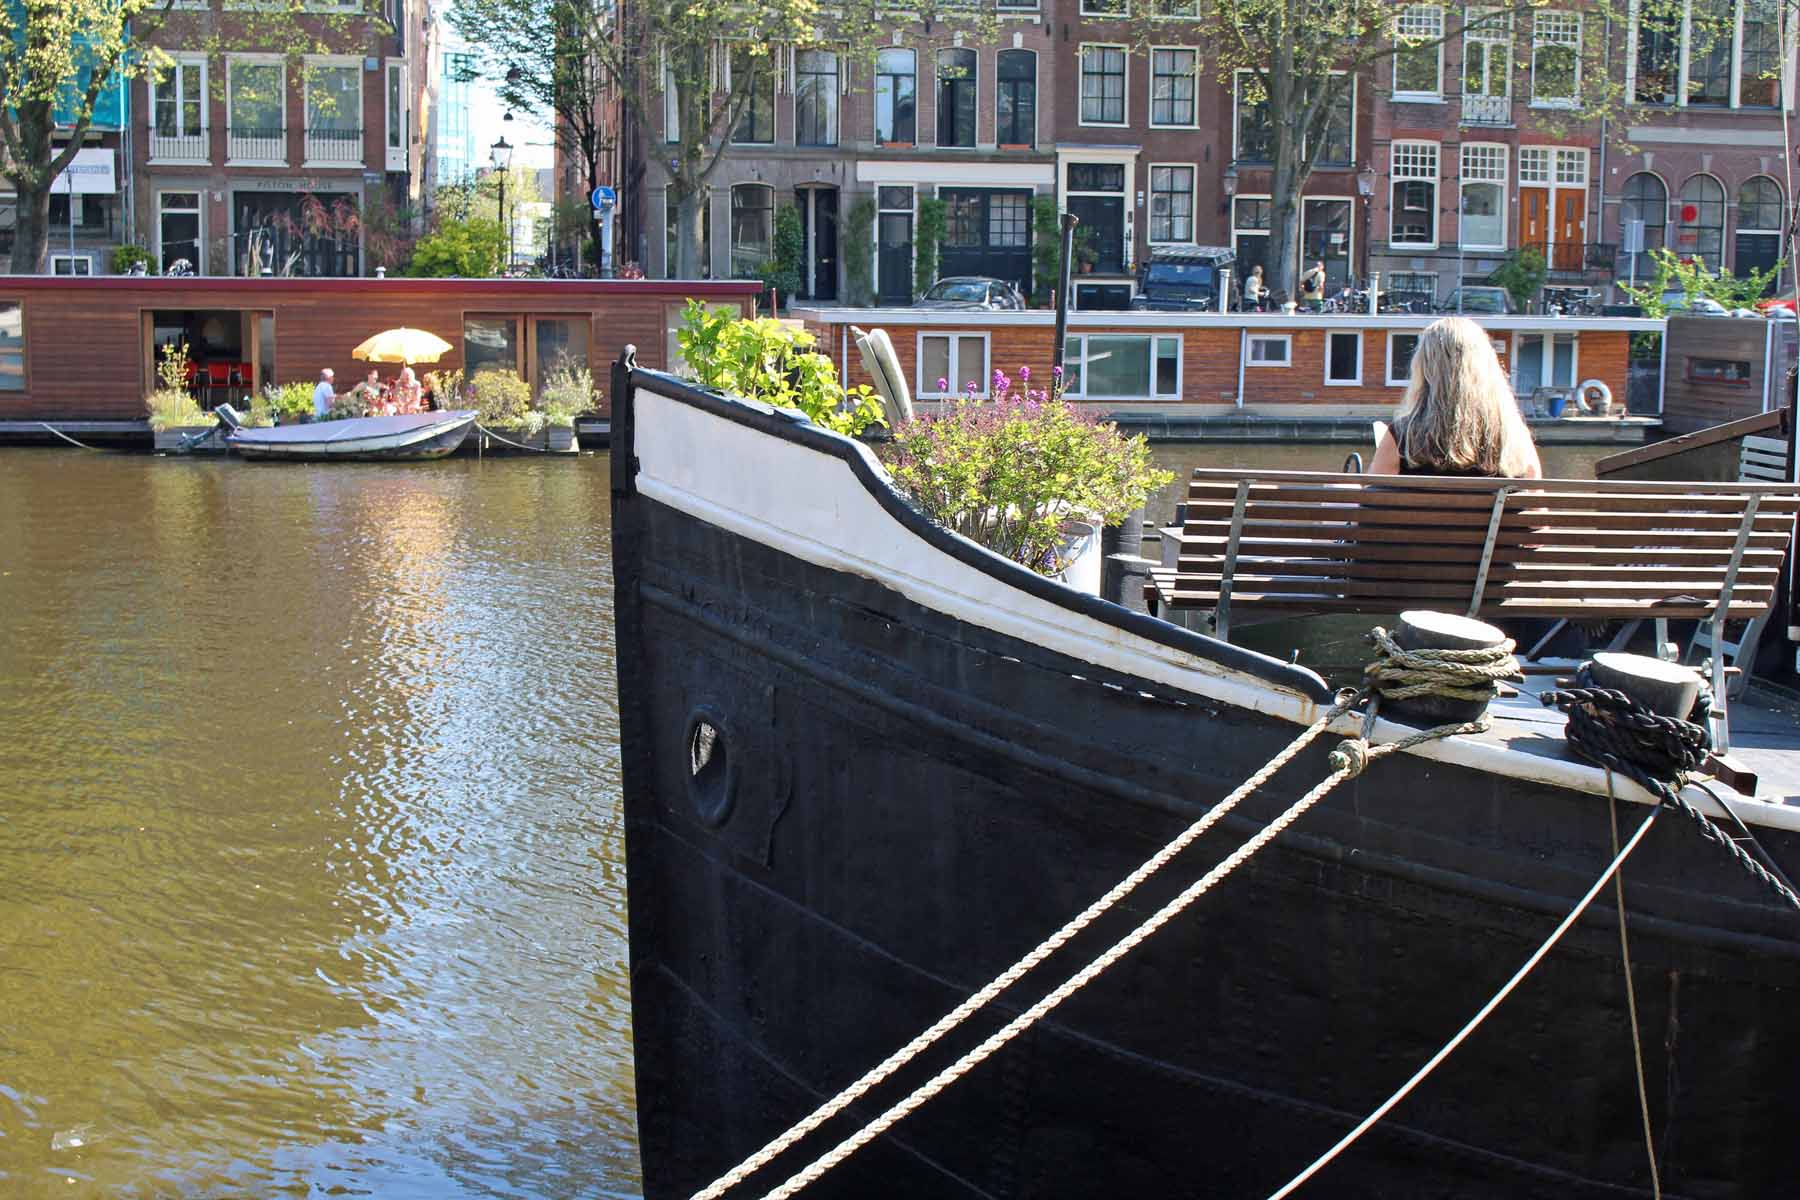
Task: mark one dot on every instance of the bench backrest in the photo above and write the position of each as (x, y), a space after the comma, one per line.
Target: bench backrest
(1764, 460)
(1306, 541)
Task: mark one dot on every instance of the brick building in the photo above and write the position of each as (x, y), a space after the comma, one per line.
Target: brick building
(1439, 163)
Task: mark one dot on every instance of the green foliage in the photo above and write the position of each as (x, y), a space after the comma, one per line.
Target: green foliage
(1046, 249)
(1522, 274)
(926, 239)
(1690, 276)
(128, 256)
(348, 405)
(1008, 472)
(288, 402)
(261, 412)
(171, 408)
(767, 361)
(859, 251)
(1087, 254)
(783, 271)
(501, 397)
(466, 248)
(447, 388)
(568, 392)
(172, 368)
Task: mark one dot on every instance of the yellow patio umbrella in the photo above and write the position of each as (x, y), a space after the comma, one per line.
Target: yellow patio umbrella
(402, 345)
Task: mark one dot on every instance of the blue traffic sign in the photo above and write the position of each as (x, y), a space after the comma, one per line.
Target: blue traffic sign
(604, 197)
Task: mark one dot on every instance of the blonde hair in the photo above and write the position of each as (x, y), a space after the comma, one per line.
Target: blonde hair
(1458, 413)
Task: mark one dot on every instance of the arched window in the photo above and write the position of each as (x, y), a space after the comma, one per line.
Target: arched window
(752, 228)
(956, 98)
(1757, 245)
(1015, 98)
(1701, 234)
(1646, 199)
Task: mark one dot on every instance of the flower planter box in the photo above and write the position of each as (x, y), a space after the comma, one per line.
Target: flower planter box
(559, 439)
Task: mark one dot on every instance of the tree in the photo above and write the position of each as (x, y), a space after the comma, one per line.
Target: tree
(468, 248)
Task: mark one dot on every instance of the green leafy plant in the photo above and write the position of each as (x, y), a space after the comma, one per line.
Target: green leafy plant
(287, 402)
(1690, 276)
(926, 239)
(859, 251)
(501, 397)
(1008, 472)
(765, 360)
(471, 248)
(782, 272)
(568, 392)
(1046, 249)
(1522, 274)
(1087, 253)
(169, 405)
(447, 388)
(125, 257)
(260, 413)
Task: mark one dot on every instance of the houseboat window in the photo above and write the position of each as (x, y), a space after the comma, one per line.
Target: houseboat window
(1415, 176)
(1103, 85)
(895, 83)
(958, 359)
(1270, 350)
(956, 98)
(816, 97)
(1400, 349)
(490, 343)
(1419, 59)
(1015, 98)
(12, 346)
(752, 228)
(1119, 366)
(1536, 369)
(1343, 357)
(71, 264)
(1719, 370)
(756, 74)
(562, 346)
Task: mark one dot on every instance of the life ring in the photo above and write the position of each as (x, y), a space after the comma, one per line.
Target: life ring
(1599, 407)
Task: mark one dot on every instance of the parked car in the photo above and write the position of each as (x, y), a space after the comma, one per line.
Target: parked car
(971, 291)
(1181, 278)
(1492, 301)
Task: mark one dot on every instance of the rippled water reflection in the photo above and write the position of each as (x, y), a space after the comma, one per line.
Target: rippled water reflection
(311, 861)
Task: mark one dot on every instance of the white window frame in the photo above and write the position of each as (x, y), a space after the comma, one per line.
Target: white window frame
(233, 61)
(1079, 371)
(731, 191)
(1194, 75)
(1238, 231)
(1253, 340)
(398, 157)
(1482, 173)
(1117, 10)
(1388, 364)
(1784, 84)
(1436, 179)
(1539, 40)
(1193, 170)
(1081, 75)
(199, 210)
(349, 62)
(179, 64)
(1547, 368)
(1501, 33)
(86, 260)
(1343, 333)
(927, 389)
(1159, 10)
(1416, 14)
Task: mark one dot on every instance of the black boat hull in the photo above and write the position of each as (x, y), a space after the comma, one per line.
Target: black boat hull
(902, 801)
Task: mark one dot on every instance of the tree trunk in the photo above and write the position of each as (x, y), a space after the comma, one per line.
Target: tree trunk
(690, 212)
(601, 268)
(31, 233)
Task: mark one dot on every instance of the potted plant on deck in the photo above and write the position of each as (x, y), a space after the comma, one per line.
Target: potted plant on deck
(176, 421)
(568, 392)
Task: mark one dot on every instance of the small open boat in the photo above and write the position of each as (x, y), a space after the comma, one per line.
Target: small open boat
(410, 436)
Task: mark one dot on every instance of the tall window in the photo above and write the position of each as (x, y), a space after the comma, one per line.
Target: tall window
(1645, 199)
(178, 109)
(1413, 219)
(1706, 52)
(1759, 66)
(1483, 178)
(956, 98)
(1015, 98)
(752, 228)
(1487, 66)
(756, 120)
(333, 111)
(1556, 58)
(1419, 61)
(396, 116)
(815, 97)
(1171, 204)
(1339, 144)
(1173, 83)
(1255, 127)
(255, 104)
(1702, 233)
(1757, 244)
(178, 229)
(1251, 222)
(1103, 85)
(12, 347)
(1710, 31)
(1658, 64)
(895, 85)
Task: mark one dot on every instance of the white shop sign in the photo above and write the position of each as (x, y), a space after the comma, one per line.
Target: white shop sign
(90, 173)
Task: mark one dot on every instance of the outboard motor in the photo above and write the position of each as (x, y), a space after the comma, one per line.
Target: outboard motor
(230, 420)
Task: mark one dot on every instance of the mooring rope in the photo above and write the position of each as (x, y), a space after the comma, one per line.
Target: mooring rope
(486, 432)
(1610, 729)
(1637, 1040)
(1408, 676)
(1474, 1022)
(65, 437)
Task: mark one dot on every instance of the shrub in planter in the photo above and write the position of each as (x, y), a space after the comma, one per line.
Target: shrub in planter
(764, 360)
(568, 392)
(447, 389)
(1011, 471)
(287, 403)
(501, 397)
(170, 405)
(125, 257)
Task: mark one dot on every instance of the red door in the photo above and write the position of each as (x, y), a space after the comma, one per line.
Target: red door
(1571, 230)
(1534, 220)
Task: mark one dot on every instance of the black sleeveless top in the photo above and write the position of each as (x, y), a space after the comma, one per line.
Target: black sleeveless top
(1406, 468)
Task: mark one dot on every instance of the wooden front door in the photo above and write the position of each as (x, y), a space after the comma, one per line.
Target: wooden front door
(1534, 220)
(1571, 230)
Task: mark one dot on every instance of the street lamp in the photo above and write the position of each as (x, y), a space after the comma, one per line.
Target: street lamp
(1365, 187)
(500, 154)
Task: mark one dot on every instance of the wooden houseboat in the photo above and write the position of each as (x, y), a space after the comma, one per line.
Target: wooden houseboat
(85, 350)
(1720, 369)
(1188, 374)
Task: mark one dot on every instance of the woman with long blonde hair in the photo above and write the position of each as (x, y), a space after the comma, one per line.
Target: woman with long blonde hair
(1458, 416)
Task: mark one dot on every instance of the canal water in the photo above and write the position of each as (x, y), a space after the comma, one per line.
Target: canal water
(311, 867)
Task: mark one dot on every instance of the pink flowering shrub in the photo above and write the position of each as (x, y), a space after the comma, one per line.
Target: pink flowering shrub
(1008, 471)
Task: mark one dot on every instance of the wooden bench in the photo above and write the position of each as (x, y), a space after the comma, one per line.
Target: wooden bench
(1304, 542)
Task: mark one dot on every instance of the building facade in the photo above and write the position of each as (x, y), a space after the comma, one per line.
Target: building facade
(1439, 163)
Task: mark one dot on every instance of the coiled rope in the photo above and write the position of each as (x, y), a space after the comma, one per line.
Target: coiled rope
(1400, 674)
(1347, 760)
(1610, 729)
